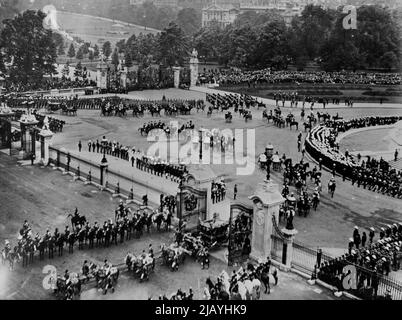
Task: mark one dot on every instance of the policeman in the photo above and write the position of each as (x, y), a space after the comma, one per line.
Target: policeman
(371, 234)
(350, 245)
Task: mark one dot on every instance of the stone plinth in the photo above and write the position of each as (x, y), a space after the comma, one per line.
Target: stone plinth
(176, 71)
(45, 138)
(102, 75)
(193, 71)
(266, 202)
(287, 253)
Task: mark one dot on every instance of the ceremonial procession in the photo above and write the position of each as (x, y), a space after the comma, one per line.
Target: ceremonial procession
(227, 150)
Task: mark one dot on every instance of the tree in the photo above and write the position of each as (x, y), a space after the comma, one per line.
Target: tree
(107, 49)
(311, 30)
(389, 61)
(78, 70)
(8, 9)
(189, 20)
(374, 44)
(28, 47)
(115, 58)
(128, 60)
(80, 54)
(61, 51)
(173, 45)
(58, 39)
(272, 49)
(71, 51)
(96, 51)
(121, 45)
(207, 42)
(256, 19)
(91, 55)
(66, 71)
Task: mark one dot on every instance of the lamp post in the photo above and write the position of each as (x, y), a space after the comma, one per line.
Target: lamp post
(103, 165)
(180, 211)
(269, 150)
(200, 139)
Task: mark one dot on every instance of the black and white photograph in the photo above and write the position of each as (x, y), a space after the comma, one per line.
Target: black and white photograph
(203, 150)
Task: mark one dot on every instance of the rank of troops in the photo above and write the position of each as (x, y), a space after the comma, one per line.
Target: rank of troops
(372, 256)
(225, 101)
(113, 148)
(162, 168)
(218, 191)
(127, 225)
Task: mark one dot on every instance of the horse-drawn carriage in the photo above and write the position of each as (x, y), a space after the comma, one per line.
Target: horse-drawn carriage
(106, 279)
(68, 110)
(173, 255)
(67, 289)
(213, 232)
(52, 107)
(141, 266)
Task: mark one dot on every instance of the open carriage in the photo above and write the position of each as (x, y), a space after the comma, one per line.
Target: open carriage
(52, 107)
(141, 266)
(107, 279)
(173, 255)
(67, 289)
(213, 232)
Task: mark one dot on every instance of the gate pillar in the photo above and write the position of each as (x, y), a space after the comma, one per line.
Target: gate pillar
(45, 137)
(27, 122)
(287, 251)
(266, 202)
(176, 71)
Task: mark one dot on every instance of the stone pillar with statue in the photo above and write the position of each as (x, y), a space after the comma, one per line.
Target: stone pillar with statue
(266, 202)
(102, 73)
(194, 62)
(176, 74)
(45, 137)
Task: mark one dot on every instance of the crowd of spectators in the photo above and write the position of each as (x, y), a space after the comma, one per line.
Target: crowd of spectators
(267, 76)
(48, 84)
(372, 257)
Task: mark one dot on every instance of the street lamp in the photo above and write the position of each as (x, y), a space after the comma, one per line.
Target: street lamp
(103, 166)
(200, 140)
(180, 211)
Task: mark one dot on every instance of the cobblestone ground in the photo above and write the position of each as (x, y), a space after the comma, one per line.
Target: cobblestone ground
(43, 197)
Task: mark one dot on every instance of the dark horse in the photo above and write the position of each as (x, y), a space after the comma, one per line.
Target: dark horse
(77, 219)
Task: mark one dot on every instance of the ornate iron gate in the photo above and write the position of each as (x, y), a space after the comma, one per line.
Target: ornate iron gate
(240, 230)
(192, 206)
(5, 134)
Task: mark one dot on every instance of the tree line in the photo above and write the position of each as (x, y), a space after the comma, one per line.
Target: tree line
(256, 41)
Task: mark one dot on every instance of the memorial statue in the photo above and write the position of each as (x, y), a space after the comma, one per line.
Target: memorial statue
(289, 219)
(194, 54)
(45, 124)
